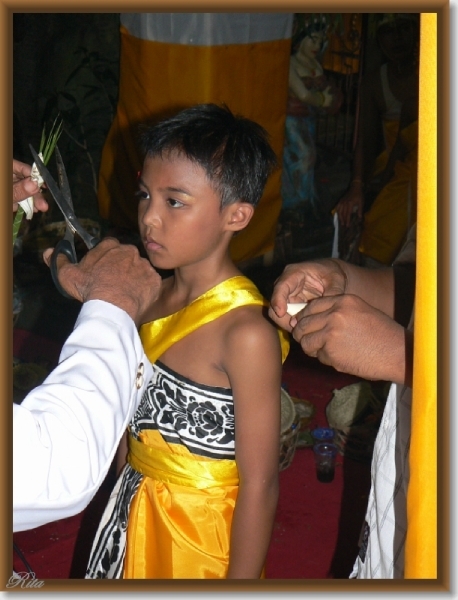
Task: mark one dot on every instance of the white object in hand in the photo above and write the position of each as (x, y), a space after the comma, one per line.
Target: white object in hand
(27, 204)
(293, 309)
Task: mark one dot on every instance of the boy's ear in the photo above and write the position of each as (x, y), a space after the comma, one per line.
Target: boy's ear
(239, 215)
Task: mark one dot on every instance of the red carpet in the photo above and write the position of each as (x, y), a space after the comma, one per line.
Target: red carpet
(317, 524)
(30, 347)
(316, 527)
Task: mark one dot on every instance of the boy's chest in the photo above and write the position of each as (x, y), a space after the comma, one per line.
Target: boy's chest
(200, 356)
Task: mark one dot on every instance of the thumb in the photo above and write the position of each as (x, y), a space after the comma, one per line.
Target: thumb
(279, 300)
(24, 189)
(61, 260)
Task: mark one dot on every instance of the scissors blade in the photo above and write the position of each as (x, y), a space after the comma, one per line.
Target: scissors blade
(62, 203)
(52, 186)
(63, 179)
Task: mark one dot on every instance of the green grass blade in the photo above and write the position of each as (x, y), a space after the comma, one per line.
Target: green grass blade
(17, 222)
(47, 146)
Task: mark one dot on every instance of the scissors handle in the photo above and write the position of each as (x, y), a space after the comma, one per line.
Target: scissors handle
(63, 247)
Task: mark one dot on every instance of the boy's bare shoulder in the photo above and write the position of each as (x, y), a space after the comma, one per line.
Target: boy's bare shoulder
(250, 346)
(250, 327)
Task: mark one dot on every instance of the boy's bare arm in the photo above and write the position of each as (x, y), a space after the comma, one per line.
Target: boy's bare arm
(121, 454)
(254, 368)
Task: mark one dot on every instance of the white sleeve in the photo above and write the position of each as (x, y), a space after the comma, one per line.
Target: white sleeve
(66, 431)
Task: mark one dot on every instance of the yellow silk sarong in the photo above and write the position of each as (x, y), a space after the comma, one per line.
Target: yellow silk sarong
(180, 517)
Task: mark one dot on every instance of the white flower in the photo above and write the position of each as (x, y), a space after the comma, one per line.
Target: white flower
(27, 204)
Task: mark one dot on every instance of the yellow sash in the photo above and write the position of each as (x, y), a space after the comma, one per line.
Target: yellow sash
(157, 336)
(181, 469)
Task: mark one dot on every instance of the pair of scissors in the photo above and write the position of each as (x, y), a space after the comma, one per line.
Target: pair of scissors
(62, 195)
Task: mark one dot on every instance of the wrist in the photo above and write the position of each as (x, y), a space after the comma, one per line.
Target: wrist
(399, 361)
(342, 272)
(124, 302)
(357, 182)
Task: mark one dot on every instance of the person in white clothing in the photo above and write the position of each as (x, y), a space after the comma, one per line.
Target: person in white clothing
(360, 321)
(67, 430)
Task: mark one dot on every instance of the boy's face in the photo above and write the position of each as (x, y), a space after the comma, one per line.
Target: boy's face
(179, 214)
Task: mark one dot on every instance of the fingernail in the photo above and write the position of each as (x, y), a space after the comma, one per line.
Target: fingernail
(46, 254)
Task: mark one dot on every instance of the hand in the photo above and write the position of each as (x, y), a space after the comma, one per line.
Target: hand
(24, 187)
(328, 97)
(353, 337)
(302, 282)
(352, 201)
(112, 272)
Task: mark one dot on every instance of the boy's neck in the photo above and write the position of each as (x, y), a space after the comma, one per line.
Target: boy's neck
(191, 282)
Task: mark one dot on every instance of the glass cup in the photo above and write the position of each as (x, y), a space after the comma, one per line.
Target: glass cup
(325, 461)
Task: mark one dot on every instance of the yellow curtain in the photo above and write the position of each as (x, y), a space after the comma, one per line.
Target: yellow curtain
(421, 543)
(158, 78)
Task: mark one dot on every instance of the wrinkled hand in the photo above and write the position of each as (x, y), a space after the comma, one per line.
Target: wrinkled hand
(348, 334)
(302, 282)
(112, 272)
(24, 187)
(352, 201)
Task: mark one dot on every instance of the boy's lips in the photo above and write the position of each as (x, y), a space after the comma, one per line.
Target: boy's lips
(152, 245)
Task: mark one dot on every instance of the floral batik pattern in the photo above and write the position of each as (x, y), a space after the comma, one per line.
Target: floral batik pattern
(197, 416)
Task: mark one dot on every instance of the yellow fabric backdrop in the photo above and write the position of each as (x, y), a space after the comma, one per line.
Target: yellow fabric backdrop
(158, 79)
(421, 543)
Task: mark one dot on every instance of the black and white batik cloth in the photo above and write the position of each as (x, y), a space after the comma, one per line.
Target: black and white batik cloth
(382, 544)
(197, 416)
(109, 547)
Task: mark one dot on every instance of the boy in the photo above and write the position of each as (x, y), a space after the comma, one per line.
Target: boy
(198, 496)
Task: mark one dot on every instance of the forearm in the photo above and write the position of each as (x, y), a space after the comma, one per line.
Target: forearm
(345, 332)
(252, 529)
(389, 358)
(66, 431)
(374, 286)
(394, 359)
(358, 162)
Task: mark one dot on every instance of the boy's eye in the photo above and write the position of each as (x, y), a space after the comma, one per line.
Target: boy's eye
(174, 203)
(141, 195)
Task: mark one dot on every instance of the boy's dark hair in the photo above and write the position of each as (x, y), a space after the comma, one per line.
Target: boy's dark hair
(233, 150)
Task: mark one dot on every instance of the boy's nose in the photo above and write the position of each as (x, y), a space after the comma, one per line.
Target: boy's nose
(152, 216)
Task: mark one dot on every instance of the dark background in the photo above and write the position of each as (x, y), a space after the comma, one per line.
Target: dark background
(66, 63)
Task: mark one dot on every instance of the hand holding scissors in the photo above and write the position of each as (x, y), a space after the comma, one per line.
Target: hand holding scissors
(62, 195)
